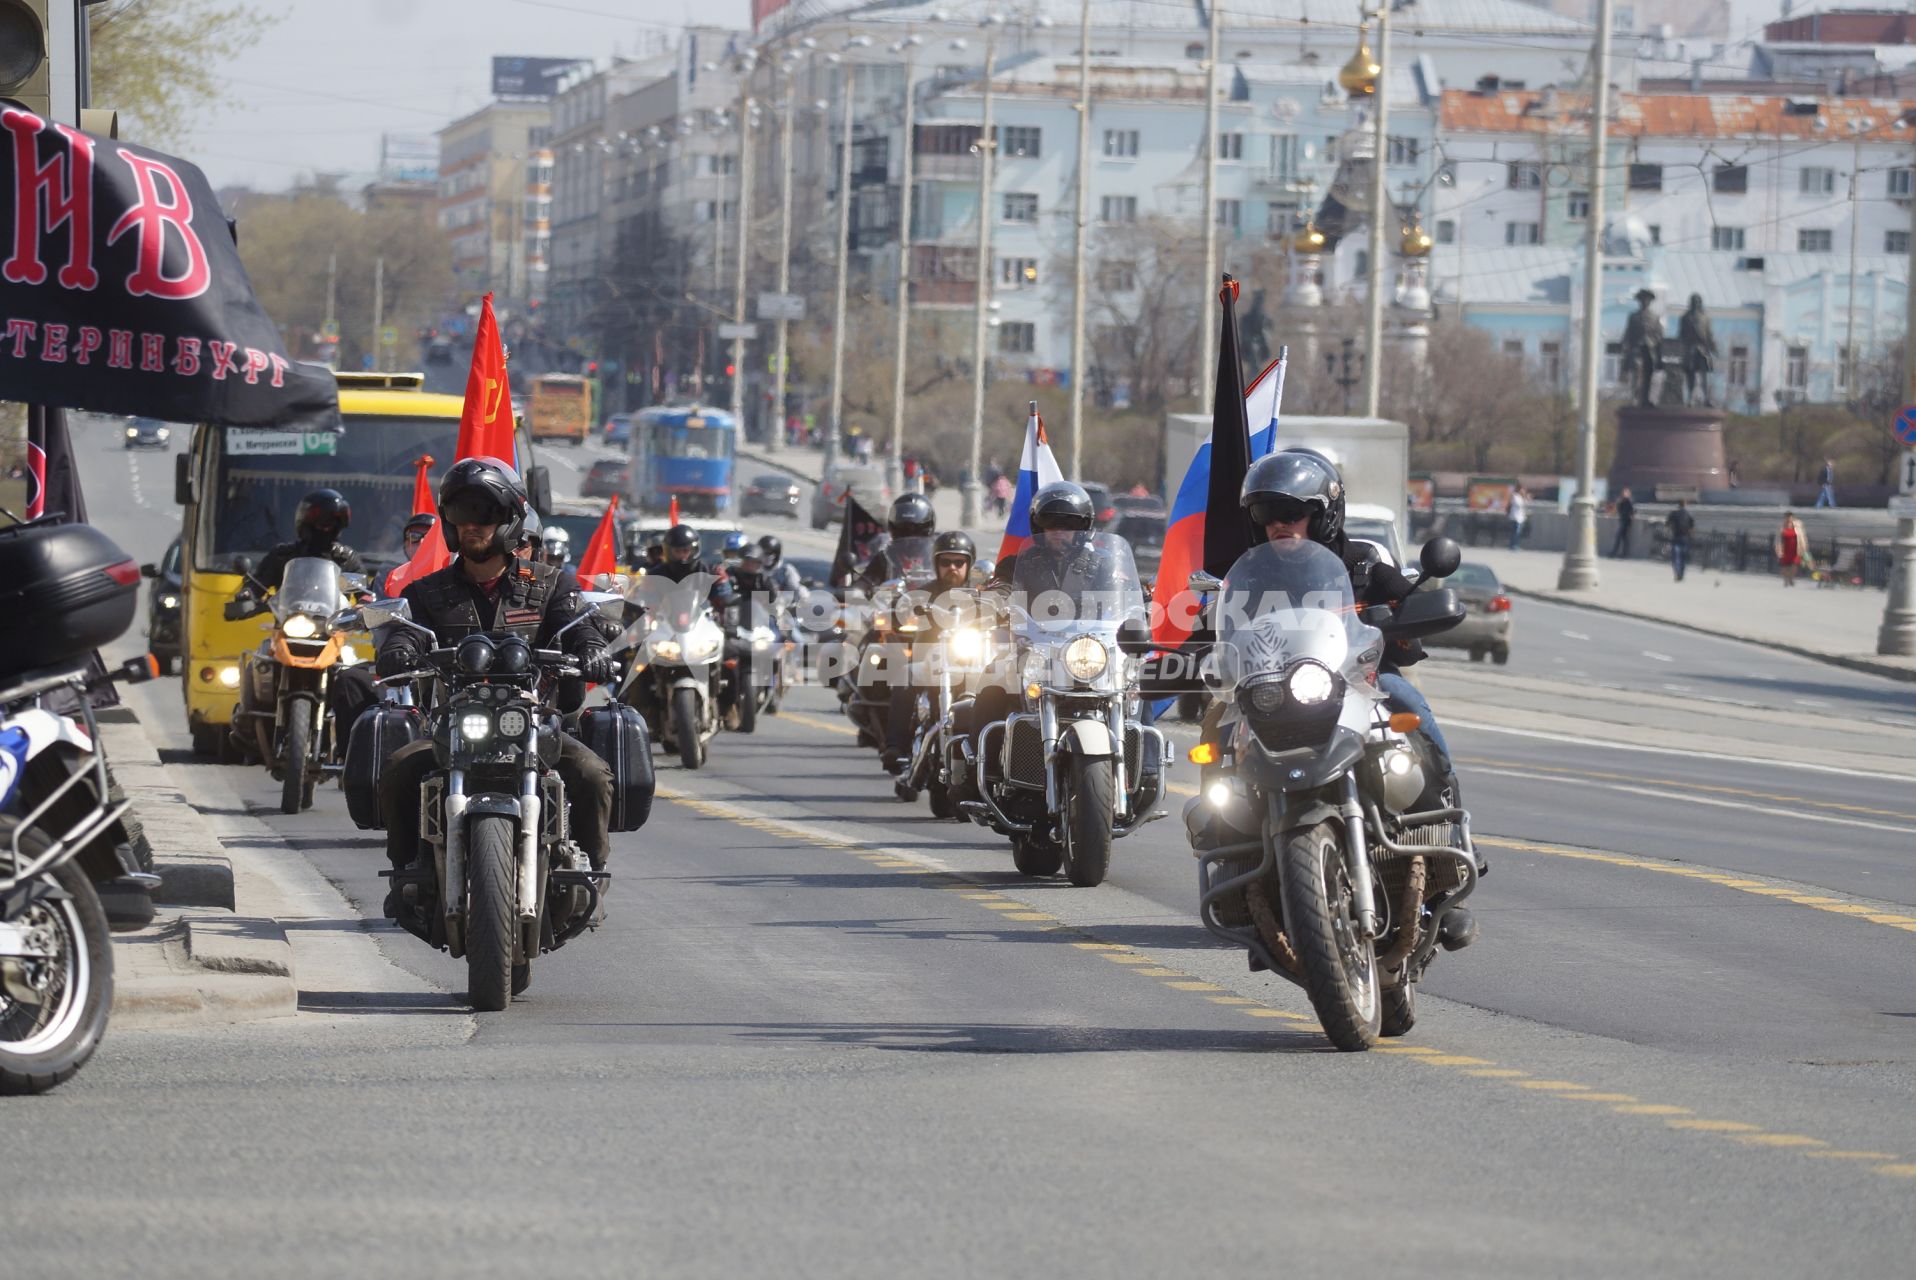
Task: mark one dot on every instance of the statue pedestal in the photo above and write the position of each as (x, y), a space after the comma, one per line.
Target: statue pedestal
(1672, 446)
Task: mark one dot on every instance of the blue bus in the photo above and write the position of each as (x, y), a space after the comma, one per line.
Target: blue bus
(685, 453)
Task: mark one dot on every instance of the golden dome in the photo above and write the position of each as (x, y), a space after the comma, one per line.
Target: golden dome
(1360, 75)
(1413, 241)
(1308, 240)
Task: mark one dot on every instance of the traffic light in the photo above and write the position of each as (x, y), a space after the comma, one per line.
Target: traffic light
(23, 55)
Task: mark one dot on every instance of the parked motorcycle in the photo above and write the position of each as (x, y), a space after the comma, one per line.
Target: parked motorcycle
(676, 675)
(507, 882)
(284, 683)
(1327, 847)
(1075, 768)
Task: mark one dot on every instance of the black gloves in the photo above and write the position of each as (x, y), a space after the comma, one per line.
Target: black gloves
(600, 667)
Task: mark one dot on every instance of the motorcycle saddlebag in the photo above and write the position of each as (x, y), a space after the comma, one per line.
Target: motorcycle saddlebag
(616, 733)
(377, 733)
(65, 590)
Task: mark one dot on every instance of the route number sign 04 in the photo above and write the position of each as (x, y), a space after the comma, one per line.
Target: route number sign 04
(1905, 425)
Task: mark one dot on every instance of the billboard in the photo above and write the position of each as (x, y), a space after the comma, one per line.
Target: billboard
(528, 77)
(408, 157)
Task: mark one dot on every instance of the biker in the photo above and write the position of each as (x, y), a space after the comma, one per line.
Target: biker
(734, 547)
(681, 548)
(1060, 555)
(415, 532)
(952, 556)
(557, 550)
(320, 518)
(782, 574)
(488, 588)
(910, 516)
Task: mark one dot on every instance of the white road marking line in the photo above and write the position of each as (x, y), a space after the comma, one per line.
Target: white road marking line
(1677, 688)
(1808, 702)
(1576, 635)
(1659, 657)
(1657, 793)
(1638, 749)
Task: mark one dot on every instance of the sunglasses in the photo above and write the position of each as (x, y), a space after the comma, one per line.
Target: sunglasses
(475, 512)
(1282, 509)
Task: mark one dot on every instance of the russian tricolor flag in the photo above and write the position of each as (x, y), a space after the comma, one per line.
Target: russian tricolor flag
(1036, 469)
(1184, 532)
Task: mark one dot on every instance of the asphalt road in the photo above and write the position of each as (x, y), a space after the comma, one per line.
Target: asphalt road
(823, 1034)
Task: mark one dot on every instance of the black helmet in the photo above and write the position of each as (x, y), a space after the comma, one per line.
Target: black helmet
(1062, 505)
(323, 511)
(482, 490)
(1284, 485)
(423, 521)
(954, 542)
(774, 550)
(911, 516)
(681, 536)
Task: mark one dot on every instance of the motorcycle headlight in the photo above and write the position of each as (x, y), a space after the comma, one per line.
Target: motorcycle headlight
(1310, 683)
(1085, 658)
(476, 726)
(666, 650)
(1267, 698)
(700, 647)
(299, 627)
(512, 723)
(968, 645)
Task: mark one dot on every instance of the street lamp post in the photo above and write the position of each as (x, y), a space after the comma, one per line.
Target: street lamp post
(1897, 634)
(1379, 208)
(844, 240)
(1579, 572)
(1079, 225)
(777, 423)
(1207, 333)
(746, 109)
(894, 463)
(974, 488)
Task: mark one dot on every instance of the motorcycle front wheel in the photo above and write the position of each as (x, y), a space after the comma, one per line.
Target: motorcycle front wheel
(747, 699)
(1320, 917)
(298, 745)
(1088, 804)
(489, 913)
(44, 1040)
(685, 726)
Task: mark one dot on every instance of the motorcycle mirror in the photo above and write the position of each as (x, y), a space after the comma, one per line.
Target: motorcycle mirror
(149, 571)
(1440, 558)
(607, 604)
(346, 620)
(243, 565)
(1134, 637)
(377, 613)
(1205, 584)
(352, 583)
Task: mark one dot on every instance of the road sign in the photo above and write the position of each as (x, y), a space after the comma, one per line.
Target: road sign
(1903, 508)
(781, 306)
(1907, 482)
(1905, 424)
(330, 331)
(389, 337)
(742, 332)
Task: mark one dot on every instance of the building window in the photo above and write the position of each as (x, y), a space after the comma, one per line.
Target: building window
(1577, 206)
(1120, 144)
(1550, 360)
(1229, 213)
(1021, 206)
(1402, 150)
(1737, 372)
(1361, 264)
(1117, 209)
(1899, 184)
(1646, 177)
(1522, 233)
(1656, 232)
(1446, 231)
(1730, 180)
(717, 166)
(1813, 240)
(1017, 273)
(945, 139)
(1796, 367)
(1284, 155)
(1117, 277)
(1726, 238)
(1816, 180)
(1896, 242)
(1019, 140)
(1524, 175)
(1842, 369)
(1017, 338)
(1612, 363)
(1230, 146)
(1513, 347)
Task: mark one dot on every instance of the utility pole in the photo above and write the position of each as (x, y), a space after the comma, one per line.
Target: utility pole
(746, 106)
(1898, 633)
(331, 327)
(894, 464)
(1078, 283)
(844, 252)
(1849, 322)
(777, 423)
(1207, 328)
(1579, 571)
(974, 487)
(379, 312)
(1379, 211)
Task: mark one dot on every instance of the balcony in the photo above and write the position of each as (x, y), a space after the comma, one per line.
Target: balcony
(945, 168)
(944, 293)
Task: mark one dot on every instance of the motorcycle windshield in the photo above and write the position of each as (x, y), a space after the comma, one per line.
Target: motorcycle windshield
(1285, 601)
(673, 605)
(311, 586)
(1073, 580)
(910, 559)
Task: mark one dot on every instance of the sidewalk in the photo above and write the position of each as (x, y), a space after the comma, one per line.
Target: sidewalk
(1831, 624)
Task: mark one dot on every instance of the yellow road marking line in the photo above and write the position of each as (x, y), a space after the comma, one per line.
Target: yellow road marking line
(1497, 1073)
(1002, 906)
(1098, 946)
(1164, 973)
(1193, 985)
(1456, 1060)
(1278, 1013)
(1126, 957)
(1600, 1097)
(1566, 1086)
(1781, 1140)
(1028, 915)
(1714, 1126)
(1651, 1109)
(1403, 1048)
(1230, 1000)
(797, 717)
(1897, 1170)
(1850, 1155)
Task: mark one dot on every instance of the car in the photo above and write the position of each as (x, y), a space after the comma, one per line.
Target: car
(712, 534)
(606, 478)
(618, 429)
(1145, 532)
(580, 518)
(771, 494)
(1137, 504)
(812, 570)
(1368, 522)
(864, 481)
(163, 607)
(1485, 630)
(147, 433)
(1101, 502)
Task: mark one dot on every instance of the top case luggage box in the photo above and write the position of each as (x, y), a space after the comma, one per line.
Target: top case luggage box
(65, 590)
(616, 734)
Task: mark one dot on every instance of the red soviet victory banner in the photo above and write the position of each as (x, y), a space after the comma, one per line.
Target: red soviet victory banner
(485, 425)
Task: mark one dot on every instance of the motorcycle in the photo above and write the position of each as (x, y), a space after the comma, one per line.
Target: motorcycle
(965, 640)
(677, 676)
(1075, 769)
(283, 684)
(507, 883)
(1327, 848)
(885, 650)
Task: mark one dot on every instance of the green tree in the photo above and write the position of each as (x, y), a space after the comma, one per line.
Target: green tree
(158, 61)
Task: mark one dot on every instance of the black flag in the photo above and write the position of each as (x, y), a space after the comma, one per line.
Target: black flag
(1227, 531)
(53, 486)
(854, 541)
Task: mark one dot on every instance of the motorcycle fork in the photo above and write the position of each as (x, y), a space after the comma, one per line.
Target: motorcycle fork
(529, 825)
(1357, 858)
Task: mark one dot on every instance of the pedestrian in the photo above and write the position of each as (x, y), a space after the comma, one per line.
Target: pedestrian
(1792, 547)
(1826, 482)
(1001, 494)
(1626, 512)
(1519, 512)
(1734, 481)
(1681, 524)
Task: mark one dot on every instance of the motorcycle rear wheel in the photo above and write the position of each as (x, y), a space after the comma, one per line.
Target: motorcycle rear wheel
(489, 913)
(747, 700)
(299, 745)
(41, 1047)
(1400, 1009)
(685, 726)
(1088, 807)
(1320, 918)
(942, 805)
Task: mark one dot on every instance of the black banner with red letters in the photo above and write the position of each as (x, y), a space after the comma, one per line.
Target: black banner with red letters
(122, 291)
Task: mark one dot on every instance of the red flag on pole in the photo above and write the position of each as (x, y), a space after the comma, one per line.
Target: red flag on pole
(601, 553)
(433, 554)
(423, 502)
(673, 514)
(485, 425)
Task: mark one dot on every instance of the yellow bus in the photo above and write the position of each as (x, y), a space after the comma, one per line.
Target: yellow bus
(562, 407)
(239, 486)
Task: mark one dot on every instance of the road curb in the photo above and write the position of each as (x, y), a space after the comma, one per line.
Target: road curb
(1868, 666)
(767, 460)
